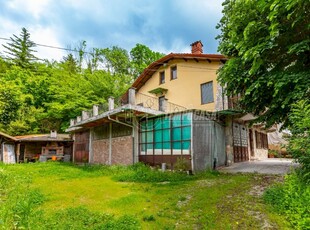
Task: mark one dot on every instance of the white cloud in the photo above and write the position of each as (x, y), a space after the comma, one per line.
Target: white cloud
(36, 8)
(47, 36)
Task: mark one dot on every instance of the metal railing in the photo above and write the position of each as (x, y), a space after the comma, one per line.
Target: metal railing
(153, 103)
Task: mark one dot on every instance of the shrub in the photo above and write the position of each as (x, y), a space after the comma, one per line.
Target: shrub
(291, 199)
(299, 141)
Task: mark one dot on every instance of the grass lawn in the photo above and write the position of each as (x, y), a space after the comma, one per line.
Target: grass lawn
(64, 196)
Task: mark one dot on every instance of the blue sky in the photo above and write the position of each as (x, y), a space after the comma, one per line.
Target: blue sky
(163, 25)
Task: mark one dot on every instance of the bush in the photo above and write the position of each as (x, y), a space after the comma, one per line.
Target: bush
(291, 199)
(299, 141)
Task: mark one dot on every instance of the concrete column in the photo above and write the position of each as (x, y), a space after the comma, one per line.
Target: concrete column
(95, 110)
(111, 103)
(85, 115)
(229, 141)
(132, 96)
(72, 122)
(78, 118)
(91, 153)
(110, 143)
(73, 148)
(135, 135)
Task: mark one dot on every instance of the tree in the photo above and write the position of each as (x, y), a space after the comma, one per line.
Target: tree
(141, 57)
(20, 49)
(116, 60)
(268, 45)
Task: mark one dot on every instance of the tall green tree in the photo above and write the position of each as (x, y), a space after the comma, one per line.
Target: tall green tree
(116, 60)
(20, 49)
(141, 57)
(268, 45)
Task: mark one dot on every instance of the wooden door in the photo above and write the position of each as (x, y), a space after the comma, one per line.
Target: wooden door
(81, 147)
(240, 143)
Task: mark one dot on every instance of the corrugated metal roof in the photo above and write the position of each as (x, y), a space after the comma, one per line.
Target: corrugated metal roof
(43, 137)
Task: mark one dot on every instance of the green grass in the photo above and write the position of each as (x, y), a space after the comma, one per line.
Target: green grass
(64, 196)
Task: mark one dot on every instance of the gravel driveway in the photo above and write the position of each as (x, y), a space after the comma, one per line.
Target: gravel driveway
(279, 166)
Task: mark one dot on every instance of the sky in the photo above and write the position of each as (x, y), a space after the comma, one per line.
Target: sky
(163, 25)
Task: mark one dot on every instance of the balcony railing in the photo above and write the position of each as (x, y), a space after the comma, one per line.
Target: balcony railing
(153, 103)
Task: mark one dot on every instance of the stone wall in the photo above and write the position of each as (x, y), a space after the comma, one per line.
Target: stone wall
(122, 148)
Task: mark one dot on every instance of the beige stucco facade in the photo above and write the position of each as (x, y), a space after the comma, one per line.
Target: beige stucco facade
(185, 89)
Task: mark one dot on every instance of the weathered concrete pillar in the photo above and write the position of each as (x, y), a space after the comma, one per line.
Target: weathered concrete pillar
(95, 110)
(72, 122)
(85, 115)
(135, 135)
(110, 143)
(132, 96)
(78, 118)
(91, 152)
(229, 141)
(111, 103)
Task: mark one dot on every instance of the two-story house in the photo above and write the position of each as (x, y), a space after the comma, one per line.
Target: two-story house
(175, 111)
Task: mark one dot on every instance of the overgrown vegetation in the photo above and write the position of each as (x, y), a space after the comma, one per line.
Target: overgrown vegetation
(56, 195)
(268, 45)
(37, 96)
(292, 198)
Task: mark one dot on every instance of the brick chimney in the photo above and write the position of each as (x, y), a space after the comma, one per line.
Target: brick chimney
(197, 47)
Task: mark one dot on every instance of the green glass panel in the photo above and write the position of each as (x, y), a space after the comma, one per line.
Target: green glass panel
(149, 147)
(149, 124)
(186, 119)
(186, 132)
(166, 135)
(176, 145)
(142, 137)
(143, 126)
(149, 136)
(186, 145)
(142, 147)
(176, 120)
(158, 145)
(158, 123)
(166, 122)
(166, 145)
(176, 134)
(158, 136)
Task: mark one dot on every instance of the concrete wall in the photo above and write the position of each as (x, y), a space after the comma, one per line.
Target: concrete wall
(122, 151)
(185, 90)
